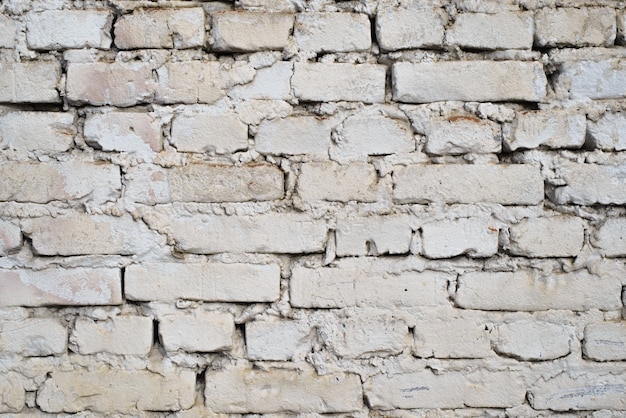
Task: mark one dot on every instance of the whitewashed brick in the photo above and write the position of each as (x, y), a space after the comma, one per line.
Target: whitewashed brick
(62, 181)
(503, 30)
(462, 135)
(241, 389)
(8, 32)
(117, 391)
(30, 82)
(553, 129)
(269, 83)
(148, 184)
(189, 82)
(334, 182)
(476, 81)
(579, 80)
(530, 291)
(197, 332)
(608, 133)
(161, 28)
(321, 82)
(60, 286)
(10, 237)
(621, 28)
(368, 337)
(209, 132)
(559, 236)
(37, 131)
(214, 282)
(64, 29)
(476, 237)
(374, 135)
(590, 184)
(532, 340)
(332, 32)
(568, 26)
(605, 341)
(124, 132)
(33, 337)
(121, 335)
(611, 237)
(456, 338)
(251, 31)
(457, 183)
(373, 235)
(279, 340)
(12, 393)
(338, 288)
(399, 28)
(293, 135)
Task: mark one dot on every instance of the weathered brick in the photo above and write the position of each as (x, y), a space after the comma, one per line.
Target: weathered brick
(374, 135)
(462, 135)
(30, 82)
(60, 286)
(476, 237)
(124, 132)
(197, 332)
(505, 184)
(559, 236)
(80, 234)
(604, 79)
(63, 181)
(373, 235)
(161, 28)
(37, 131)
(332, 32)
(605, 341)
(321, 82)
(611, 237)
(121, 335)
(456, 338)
(251, 31)
(531, 291)
(590, 184)
(65, 29)
(532, 340)
(221, 133)
(333, 182)
(269, 83)
(116, 84)
(476, 81)
(568, 26)
(33, 337)
(368, 336)
(279, 340)
(399, 28)
(189, 82)
(10, 237)
(293, 135)
(241, 389)
(553, 129)
(214, 282)
(343, 287)
(8, 32)
(121, 391)
(12, 393)
(503, 30)
(608, 133)
(621, 27)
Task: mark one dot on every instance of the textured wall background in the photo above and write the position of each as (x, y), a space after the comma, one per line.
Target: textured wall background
(362, 208)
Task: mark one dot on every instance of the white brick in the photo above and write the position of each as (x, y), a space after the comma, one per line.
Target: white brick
(530, 291)
(559, 236)
(33, 337)
(197, 332)
(30, 82)
(293, 135)
(279, 340)
(241, 389)
(148, 184)
(214, 282)
(124, 132)
(117, 391)
(189, 82)
(608, 133)
(63, 29)
(338, 288)
(60, 286)
(568, 26)
(503, 30)
(221, 133)
(373, 235)
(10, 237)
(476, 237)
(452, 338)
(368, 337)
(321, 82)
(164, 28)
(605, 341)
(611, 237)
(532, 340)
(269, 83)
(332, 32)
(553, 129)
(374, 135)
(463, 135)
(458, 183)
(621, 27)
(591, 79)
(12, 393)
(8, 32)
(251, 31)
(333, 182)
(59, 181)
(120, 335)
(398, 28)
(476, 81)
(37, 131)
(590, 184)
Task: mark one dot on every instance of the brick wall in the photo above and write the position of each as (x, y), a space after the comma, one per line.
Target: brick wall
(375, 208)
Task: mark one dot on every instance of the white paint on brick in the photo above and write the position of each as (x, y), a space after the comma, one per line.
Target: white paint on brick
(190, 82)
(8, 33)
(368, 336)
(588, 184)
(569, 26)
(121, 335)
(407, 28)
(605, 79)
(10, 237)
(37, 131)
(13, 396)
(373, 235)
(608, 133)
(269, 83)
(33, 337)
(360, 136)
(559, 236)
(463, 135)
(454, 338)
(278, 340)
(611, 237)
(332, 32)
(64, 29)
(293, 135)
(532, 340)
(553, 129)
(30, 82)
(476, 237)
(217, 132)
(197, 332)
(134, 132)
(504, 30)
(334, 182)
(251, 31)
(605, 341)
